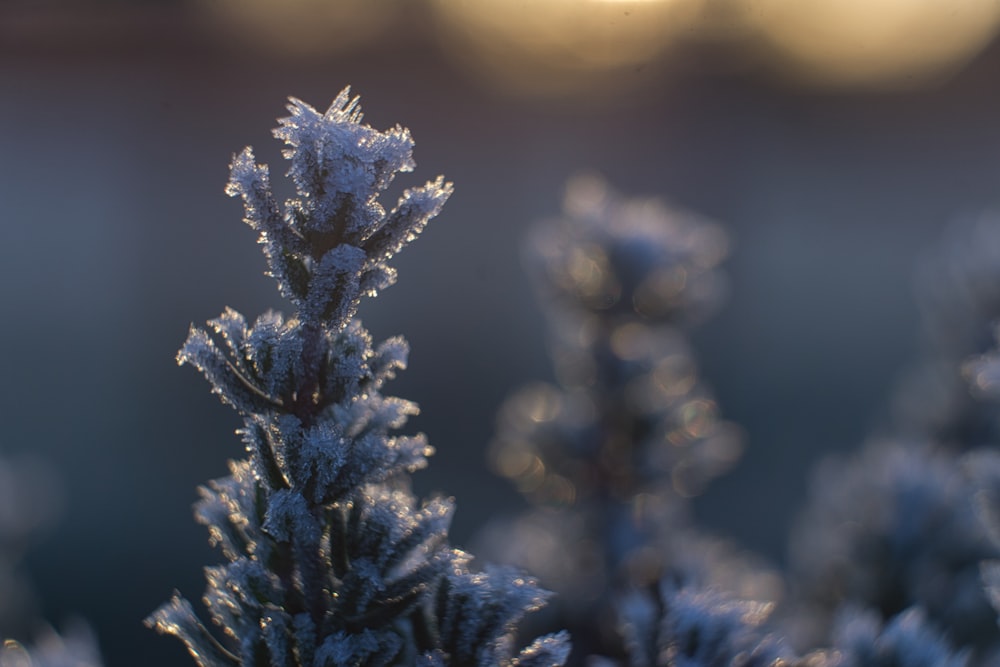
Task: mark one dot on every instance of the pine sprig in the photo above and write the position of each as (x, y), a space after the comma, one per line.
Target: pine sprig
(330, 559)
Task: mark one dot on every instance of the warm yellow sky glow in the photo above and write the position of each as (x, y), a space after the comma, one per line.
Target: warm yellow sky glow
(301, 27)
(556, 46)
(873, 41)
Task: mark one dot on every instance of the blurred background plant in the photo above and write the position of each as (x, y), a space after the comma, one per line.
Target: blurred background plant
(833, 174)
(895, 524)
(609, 454)
(890, 540)
(29, 505)
(30, 501)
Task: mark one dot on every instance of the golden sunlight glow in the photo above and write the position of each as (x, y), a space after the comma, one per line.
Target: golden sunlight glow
(599, 48)
(301, 27)
(559, 46)
(868, 42)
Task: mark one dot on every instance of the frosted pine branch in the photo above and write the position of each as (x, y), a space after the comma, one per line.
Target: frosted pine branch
(330, 559)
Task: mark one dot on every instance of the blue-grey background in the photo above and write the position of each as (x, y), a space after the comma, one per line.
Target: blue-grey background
(115, 136)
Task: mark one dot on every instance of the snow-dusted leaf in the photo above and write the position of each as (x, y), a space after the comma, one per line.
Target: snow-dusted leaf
(234, 389)
(365, 647)
(178, 618)
(548, 651)
(477, 612)
(408, 219)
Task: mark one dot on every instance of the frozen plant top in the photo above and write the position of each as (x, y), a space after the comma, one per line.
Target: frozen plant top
(330, 245)
(628, 257)
(327, 248)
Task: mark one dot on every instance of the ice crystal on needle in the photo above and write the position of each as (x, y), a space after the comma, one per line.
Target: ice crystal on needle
(331, 560)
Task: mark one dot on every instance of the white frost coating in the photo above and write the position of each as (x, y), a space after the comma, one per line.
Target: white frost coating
(353, 159)
(548, 651)
(340, 168)
(486, 604)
